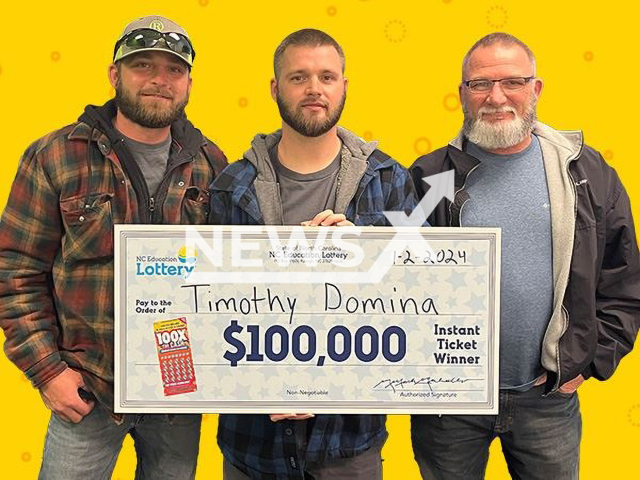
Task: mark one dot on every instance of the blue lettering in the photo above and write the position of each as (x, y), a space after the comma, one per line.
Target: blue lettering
(164, 270)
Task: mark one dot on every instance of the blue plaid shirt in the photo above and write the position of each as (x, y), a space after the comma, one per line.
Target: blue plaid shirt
(278, 450)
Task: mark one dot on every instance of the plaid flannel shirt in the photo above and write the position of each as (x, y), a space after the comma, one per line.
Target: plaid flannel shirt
(253, 443)
(56, 244)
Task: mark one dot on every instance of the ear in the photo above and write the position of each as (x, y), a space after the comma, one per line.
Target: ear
(113, 75)
(190, 82)
(460, 92)
(346, 84)
(274, 88)
(537, 86)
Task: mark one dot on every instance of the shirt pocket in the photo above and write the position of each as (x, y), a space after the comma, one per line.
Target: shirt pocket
(88, 228)
(195, 206)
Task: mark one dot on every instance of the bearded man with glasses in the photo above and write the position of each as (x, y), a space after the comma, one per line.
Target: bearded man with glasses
(136, 159)
(570, 286)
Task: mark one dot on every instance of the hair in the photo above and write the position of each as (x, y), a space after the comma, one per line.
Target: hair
(307, 37)
(501, 38)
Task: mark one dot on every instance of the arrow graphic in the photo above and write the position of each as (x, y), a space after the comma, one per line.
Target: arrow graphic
(442, 185)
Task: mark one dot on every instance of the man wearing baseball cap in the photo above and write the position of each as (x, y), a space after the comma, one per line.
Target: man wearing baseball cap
(136, 159)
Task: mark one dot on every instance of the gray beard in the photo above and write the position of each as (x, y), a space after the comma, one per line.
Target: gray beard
(500, 136)
(146, 117)
(307, 128)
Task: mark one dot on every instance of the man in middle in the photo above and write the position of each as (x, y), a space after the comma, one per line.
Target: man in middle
(312, 173)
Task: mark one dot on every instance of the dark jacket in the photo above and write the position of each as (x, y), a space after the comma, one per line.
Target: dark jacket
(56, 240)
(596, 266)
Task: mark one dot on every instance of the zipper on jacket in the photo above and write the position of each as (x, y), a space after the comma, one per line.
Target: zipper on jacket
(566, 318)
(138, 182)
(456, 193)
(161, 193)
(280, 206)
(151, 214)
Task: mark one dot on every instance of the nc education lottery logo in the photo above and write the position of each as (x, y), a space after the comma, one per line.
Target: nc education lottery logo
(188, 255)
(181, 265)
(247, 259)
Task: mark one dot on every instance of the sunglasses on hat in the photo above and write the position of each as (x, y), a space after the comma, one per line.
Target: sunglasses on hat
(149, 39)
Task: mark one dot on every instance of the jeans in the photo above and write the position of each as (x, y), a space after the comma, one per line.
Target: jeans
(366, 466)
(540, 438)
(166, 446)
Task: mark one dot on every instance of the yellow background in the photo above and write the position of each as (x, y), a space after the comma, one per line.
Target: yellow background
(403, 62)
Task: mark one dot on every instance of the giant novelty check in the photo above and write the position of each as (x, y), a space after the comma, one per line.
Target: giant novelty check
(321, 320)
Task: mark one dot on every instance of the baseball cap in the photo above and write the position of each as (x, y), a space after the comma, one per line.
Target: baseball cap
(154, 32)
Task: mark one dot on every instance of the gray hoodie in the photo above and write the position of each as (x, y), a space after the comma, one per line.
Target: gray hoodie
(353, 164)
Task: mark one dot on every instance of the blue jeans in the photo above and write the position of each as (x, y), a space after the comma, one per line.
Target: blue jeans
(366, 466)
(540, 438)
(166, 446)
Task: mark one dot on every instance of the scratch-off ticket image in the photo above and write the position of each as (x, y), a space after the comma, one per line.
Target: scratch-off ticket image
(174, 354)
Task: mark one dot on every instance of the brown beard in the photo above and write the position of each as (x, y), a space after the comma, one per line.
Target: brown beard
(132, 108)
(300, 124)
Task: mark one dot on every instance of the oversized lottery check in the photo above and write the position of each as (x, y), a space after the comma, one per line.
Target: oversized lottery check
(321, 320)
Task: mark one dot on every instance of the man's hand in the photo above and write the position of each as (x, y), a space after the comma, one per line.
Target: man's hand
(328, 219)
(569, 387)
(276, 417)
(572, 385)
(60, 395)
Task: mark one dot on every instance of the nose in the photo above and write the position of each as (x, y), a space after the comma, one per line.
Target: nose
(313, 86)
(496, 96)
(159, 76)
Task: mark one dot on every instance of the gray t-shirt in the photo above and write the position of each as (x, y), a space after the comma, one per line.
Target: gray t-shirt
(304, 195)
(152, 160)
(510, 192)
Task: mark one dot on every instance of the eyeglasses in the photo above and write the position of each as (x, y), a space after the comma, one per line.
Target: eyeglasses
(484, 85)
(149, 38)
